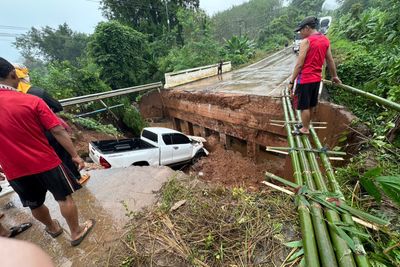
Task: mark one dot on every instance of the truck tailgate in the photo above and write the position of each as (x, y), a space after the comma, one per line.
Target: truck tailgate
(94, 154)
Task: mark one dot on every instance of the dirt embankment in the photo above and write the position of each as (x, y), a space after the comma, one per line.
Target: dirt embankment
(230, 168)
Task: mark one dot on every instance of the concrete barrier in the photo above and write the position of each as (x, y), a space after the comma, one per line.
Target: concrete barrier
(173, 79)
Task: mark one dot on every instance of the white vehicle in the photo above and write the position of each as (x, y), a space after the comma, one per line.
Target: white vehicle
(156, 146)
(296, 43)
(324, 24)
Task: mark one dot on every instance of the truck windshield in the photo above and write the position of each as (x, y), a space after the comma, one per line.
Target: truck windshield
(150, 135)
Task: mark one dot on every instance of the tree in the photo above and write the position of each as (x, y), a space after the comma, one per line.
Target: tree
(52, 44)
(199, 47)
(121, 52)
(152, 17)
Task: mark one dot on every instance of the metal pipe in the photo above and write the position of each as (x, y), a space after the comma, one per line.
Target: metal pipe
(98, 111)
(108, 94)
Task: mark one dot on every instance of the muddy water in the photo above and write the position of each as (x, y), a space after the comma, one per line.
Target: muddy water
(262, 78)
(103, 198)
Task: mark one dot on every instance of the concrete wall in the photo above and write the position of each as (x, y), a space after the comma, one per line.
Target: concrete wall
(173, 79)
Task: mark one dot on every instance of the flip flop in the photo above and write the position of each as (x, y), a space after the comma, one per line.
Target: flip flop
(56, 234)
(298, 132)
(16, 230)
(84, 179)
(87, 230)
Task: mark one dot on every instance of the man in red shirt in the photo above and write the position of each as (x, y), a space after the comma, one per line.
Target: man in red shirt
(28, 161)
(314, 50)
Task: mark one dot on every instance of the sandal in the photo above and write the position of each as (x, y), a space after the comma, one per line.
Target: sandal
(16, 230)
(86, 231)
(56, 234)
(299, 132)
(84, 179)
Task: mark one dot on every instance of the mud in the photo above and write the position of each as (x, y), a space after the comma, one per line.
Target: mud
(108, 197)
(232, 169)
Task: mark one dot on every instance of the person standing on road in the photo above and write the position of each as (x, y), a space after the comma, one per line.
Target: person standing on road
(219, 70)
(30, 163)
(314, 50)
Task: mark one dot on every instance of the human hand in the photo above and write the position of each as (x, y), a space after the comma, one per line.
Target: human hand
(336, 80)
(290, 87)
(79, 162)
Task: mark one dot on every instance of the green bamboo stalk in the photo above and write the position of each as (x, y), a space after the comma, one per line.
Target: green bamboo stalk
(377, 99)
(361, 259)
(337, 153)
(307, 231)
(339, 245)
(341, 206)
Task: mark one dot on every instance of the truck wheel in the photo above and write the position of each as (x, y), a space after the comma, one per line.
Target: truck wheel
(198, 156)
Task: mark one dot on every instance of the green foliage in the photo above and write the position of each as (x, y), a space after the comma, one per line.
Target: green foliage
(199, 49)
(368, 52)
(373, 183)
(121, 52)
(133, 119)
(52, 44)
(64, 80)
(240, 49)
(147, 16)
(91, 124)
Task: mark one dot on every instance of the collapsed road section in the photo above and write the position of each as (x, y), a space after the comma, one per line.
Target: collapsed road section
(236, 118)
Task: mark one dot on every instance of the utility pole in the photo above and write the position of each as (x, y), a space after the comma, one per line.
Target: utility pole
(166, 10)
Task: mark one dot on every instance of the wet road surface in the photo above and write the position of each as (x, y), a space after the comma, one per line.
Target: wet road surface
(104, 198)
(262, 78)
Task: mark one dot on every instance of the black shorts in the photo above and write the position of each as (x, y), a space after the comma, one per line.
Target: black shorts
(32, 189)
(306, 95)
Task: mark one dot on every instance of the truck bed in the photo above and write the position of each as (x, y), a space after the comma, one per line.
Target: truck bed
(123, 145)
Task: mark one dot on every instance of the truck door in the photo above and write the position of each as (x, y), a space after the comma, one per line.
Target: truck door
(166, 155)
(182, 147)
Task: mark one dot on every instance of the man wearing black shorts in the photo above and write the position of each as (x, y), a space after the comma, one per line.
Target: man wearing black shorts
(314, 50)
(29, 162)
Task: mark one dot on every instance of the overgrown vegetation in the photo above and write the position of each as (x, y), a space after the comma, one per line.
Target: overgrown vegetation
(365, 40)
(91, 124)
(199, 225)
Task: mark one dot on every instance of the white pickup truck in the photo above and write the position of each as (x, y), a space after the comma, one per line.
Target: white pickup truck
(156, 146)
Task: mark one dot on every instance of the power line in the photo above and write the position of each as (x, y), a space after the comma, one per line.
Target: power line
(9, 27)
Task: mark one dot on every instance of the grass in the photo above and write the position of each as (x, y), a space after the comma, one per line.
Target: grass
(216, 226)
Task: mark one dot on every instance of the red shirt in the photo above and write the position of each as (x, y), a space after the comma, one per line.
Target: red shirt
(315, 58)
(24, 149)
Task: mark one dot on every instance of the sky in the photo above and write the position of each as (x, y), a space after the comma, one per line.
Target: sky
(80, 15)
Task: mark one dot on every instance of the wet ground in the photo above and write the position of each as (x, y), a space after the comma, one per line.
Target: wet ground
(107, 197)
(262, 78)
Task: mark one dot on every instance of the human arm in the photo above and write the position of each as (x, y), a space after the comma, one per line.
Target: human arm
(304, 46)
(331, 66)
(51, 123)
(63, 138)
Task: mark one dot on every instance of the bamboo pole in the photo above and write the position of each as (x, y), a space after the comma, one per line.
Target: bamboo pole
(361, 259)
(377, 99)
(326, 250)
(345, 259)
(337, 153)
(306, 226)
